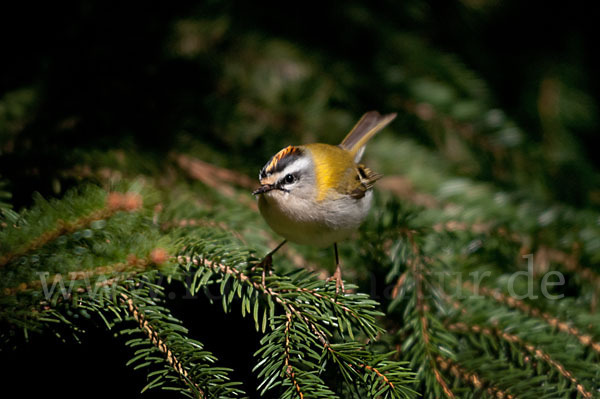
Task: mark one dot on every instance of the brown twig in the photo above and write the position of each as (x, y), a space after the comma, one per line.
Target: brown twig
(159, 343)
(288, 367)
(211, 174)
(472, 378)
(378, 373)
(372, 369)
(220, 179)
(398, 285)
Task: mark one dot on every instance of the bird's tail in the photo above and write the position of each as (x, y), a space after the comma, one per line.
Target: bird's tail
(365, 128)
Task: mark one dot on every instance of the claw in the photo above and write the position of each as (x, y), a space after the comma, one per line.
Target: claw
(265, 265)
(338, 273)
(339, 283)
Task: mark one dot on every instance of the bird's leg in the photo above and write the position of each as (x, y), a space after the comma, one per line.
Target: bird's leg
(267, 263)
(339, 283)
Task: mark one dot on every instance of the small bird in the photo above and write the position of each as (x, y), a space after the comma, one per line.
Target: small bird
(318, 194)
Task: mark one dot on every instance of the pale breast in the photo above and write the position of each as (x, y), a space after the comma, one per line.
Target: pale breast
(308, 222)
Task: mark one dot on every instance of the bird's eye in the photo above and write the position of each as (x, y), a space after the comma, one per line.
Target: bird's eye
(289, 179)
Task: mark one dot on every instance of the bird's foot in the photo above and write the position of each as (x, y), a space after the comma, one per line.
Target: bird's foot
(266, 267)
(339, 283)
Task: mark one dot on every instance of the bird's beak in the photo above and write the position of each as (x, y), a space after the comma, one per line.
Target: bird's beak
(263, 189)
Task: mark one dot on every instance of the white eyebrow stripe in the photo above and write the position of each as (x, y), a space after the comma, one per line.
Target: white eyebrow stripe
(296, 166)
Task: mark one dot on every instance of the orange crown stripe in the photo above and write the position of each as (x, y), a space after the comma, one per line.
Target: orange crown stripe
(279, 156)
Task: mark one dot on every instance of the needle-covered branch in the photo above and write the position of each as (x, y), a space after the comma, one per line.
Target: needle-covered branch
(306, 319)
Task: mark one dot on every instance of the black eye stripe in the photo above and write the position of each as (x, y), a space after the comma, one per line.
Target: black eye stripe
(289, 178)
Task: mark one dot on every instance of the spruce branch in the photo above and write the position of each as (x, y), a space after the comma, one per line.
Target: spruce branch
(529, 347)
(422, 310)
(309, 310)
(566, 327)
(416, 260)
(115, 202)
(182, 365)
(289, 369)
(120, 270)
(544, 254)
(91, 249)
(290, 350)
(292, 254)
(504, 230)
(154, 337)
(278, 295)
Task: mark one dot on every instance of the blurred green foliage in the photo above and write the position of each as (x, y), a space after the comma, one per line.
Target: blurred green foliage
(484, 83)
